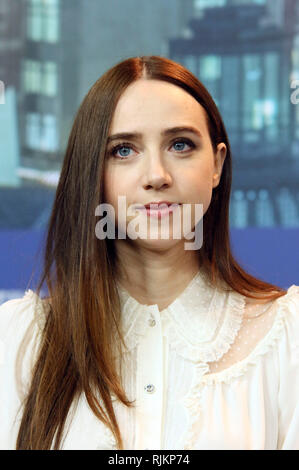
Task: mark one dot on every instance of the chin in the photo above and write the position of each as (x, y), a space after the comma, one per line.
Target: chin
(158, 244)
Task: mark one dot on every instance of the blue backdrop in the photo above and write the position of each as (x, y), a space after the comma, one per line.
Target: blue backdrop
(271, 254)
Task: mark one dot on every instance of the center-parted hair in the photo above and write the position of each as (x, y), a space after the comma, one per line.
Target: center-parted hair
(82, 314)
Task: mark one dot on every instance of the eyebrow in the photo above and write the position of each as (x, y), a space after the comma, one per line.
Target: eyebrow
(165, 132)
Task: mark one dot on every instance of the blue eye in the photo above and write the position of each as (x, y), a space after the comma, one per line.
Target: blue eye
(126, 147)
(120, 147)
(179, 143)
(183, 142)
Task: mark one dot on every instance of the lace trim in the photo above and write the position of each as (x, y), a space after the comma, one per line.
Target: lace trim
(185, 317)
(209, 351)
(134, 324)
(192, 401)
(264, 346)
(108, 441)
(193, 405)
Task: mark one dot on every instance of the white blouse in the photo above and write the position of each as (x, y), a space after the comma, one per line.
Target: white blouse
(211, 371)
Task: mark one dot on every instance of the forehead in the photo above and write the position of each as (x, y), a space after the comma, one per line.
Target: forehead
(153, 103)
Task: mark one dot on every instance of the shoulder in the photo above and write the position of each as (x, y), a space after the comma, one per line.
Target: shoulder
(20, 333)
(19, 339)
(287, 363)
(287, 308)
(17, 314)
(268, 332)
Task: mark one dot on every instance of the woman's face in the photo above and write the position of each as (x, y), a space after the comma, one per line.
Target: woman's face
(156, 165)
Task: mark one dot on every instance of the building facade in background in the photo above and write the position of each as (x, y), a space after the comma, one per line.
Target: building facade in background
(69, 45)
(11, 41)
(246, 53)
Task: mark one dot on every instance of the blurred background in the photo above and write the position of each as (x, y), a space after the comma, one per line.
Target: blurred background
(246, 52)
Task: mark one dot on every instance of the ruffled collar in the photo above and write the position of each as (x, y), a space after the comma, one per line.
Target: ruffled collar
(200, 324)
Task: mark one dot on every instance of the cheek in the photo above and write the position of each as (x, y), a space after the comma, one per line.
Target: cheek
(107, 189)
(111, 188)
(199, 185)
(117, 184)
(199, 189)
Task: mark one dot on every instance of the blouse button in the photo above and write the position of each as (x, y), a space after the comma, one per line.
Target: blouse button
(149, 388)
(151, 322)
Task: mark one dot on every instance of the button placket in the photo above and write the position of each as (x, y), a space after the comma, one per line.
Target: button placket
(150, 385)
(152, 322)
(150, 388)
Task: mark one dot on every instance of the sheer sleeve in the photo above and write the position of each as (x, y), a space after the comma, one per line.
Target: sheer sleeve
(289, 376)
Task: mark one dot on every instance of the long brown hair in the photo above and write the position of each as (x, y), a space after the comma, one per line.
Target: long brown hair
(83, 315)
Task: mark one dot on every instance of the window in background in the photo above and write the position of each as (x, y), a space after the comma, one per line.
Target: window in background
(190, 61)
(210, 67)
(43, 20)
(50, 79)
(49, 138)
(230, 85)
(34, 20)
(239, 210)
(251, 198)
(285, 121)
(288, 209)
(210, 74)
(32, 76)
(52, 20)
(40, 78)
(271, 95)
(201, 4)
(33, 130)
(264, 210)
(251, 97)
(41, 132)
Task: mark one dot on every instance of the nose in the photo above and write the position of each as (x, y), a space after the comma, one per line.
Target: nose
(155, 174)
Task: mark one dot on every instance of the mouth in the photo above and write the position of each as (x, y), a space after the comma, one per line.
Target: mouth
(159, 205)
(159, 209)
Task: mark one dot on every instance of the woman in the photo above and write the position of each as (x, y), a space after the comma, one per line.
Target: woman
(144, 342)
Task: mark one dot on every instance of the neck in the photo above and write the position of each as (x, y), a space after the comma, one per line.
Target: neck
(154, 276)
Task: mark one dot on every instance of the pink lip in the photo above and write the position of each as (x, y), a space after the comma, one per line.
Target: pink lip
(158, 203)
(159, 213)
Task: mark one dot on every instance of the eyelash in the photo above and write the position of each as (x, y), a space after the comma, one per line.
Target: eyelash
(128, 145)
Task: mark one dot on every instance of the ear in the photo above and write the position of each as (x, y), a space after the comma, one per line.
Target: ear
(218, 164)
